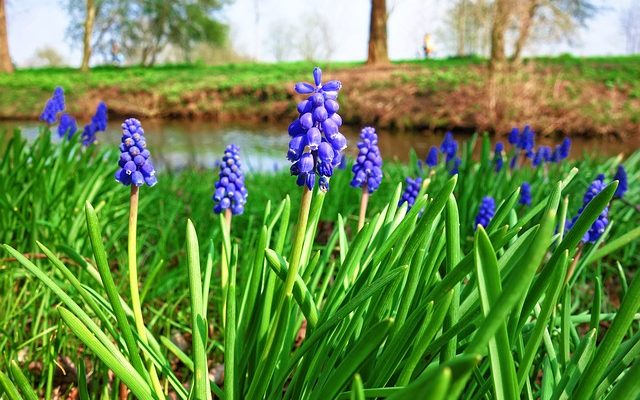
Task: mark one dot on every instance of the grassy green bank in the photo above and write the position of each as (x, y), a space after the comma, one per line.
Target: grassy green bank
(578, 96)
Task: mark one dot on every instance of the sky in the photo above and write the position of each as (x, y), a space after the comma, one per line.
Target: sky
(35, 24)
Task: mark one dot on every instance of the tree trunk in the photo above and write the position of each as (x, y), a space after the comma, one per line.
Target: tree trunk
(500, 21)
(88, 31)
(461, 27)
(526, 20)
(5, 58)
(378, 33)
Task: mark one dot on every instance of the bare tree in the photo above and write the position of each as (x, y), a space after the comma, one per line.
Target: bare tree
(316, 30)
(88, 31)
(468, 24)
(527, 15)
(281, 40)
(5, 58)
(378, 53)
(498, 31)
(552, 20)
(630, 25)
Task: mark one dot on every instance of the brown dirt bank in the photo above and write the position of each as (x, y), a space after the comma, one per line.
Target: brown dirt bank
(405, 97)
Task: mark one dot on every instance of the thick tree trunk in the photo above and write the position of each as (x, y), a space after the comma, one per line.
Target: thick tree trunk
(88, 31)
(526, 20)
(500, 21)
(5, 58)
(378, 33)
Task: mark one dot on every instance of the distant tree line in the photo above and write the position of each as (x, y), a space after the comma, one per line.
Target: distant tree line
(142, 29)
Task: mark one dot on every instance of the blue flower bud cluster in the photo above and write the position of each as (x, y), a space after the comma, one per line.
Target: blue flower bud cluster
(598, 227)
(53, 106)
(230, 191)
(543, 155)
(498, 155)
(316, 144)
(432, 157)
(449, 147)
(135, 163)
(367, 169)
(486, 211)
(67, 126)
(98, 124)
(523, 141)
(623, 184)
(411, 192)
(525, 194)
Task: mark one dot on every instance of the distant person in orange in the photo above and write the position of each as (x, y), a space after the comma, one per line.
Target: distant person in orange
(427, 45)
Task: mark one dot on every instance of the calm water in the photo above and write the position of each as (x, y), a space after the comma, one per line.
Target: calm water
(177, 144)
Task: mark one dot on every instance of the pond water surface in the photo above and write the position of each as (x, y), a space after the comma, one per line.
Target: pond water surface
(179, 144)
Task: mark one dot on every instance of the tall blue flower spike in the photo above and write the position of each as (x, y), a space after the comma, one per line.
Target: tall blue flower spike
(526, 141)
(135, 163)
(367, 169)
(498, 156)
(53, 106)
(98, 124)
(561, 151)
(411, 191)
(623, 184)
(67, 126)
(598, 227)
(449, 147)
(432, 157)
(514, 137)
(525, 194)
(230, 191)
(316, 146)
(486, 211)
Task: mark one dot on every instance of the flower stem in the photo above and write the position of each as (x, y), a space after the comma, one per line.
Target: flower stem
(224, 266)
(364, 200)
(572, 267)
(133, 284)
(298, 244)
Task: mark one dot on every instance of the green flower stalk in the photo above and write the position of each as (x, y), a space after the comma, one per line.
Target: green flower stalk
(230, 196)
(136, 170)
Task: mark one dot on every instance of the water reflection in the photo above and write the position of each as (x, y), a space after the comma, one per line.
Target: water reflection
(178, 144)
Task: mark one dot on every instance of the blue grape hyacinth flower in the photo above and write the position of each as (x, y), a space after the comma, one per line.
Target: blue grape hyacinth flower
(230, 191)
(498, 155)
(449, 147)
(543, 155)
(316, 146)
(432, 157)
(525, 194)
(561, 151)
(367, 169)
(486, 211)
(600, 224)
(98, 124)
(514, 137)
(623, 184)
(53, 106)
(135, 163)
(526, 141)
(411, 191)
(67, 126)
